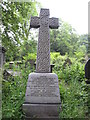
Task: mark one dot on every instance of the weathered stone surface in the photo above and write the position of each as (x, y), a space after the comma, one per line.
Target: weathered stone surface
(53, 23)
(43, 51)
(31, 62)
(34, 23)
(10, 73)
(42, 111)
(42, 98)
(67, 62)
(42, 88)
(11, 64)
(87, 69)
(2, 55)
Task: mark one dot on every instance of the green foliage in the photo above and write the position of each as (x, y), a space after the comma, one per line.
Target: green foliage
(28, 49)
(66, 40)
(16, 25)
(17, 38)
(68, 54)
(13, 94)
(75, 72)
(72, 86)
(73, 97)
(31, 56)
(71, 83)
(54, 56)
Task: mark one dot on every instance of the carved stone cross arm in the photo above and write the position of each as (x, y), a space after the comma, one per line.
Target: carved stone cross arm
(35, 22)
(53, 23)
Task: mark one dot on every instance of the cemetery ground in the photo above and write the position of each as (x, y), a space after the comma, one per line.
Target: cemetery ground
(72, 85)
(69, 53)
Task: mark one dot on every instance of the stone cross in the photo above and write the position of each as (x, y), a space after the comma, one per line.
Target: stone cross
(43, 51)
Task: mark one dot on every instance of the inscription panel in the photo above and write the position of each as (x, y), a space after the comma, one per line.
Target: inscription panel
(42, 88)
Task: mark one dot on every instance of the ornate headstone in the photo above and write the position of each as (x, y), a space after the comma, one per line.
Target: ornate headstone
(42, 99)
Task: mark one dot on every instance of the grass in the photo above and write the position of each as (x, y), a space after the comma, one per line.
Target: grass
(71, 84)
(73, 98)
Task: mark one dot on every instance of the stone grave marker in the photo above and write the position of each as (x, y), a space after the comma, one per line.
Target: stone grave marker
(11, 64)
(10, 72)
(42, 98)
(2, 55)
(87, 75)
(87, 71)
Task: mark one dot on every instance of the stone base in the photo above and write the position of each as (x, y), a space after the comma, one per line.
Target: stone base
(48, 111)
(42, 99)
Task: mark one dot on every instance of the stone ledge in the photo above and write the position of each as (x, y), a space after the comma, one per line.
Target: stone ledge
(28, 118)
(42, 110)
(43, 74)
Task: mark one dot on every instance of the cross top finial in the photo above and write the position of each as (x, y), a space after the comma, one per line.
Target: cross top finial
(44, 12)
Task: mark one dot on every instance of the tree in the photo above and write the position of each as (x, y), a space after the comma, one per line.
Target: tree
(16, 25)
(28, 47)
(65, 39)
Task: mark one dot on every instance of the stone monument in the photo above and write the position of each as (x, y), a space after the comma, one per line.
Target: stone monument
(87, 71)
(2, 55)
(42, 98)
(87, 75)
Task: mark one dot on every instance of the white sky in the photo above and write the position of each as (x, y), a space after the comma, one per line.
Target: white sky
(75, 12)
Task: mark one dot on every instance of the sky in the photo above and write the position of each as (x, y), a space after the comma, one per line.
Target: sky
(75, 12)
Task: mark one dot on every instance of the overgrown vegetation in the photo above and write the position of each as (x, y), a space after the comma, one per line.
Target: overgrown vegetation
(13, 94)
(68, 53)
(71, 83)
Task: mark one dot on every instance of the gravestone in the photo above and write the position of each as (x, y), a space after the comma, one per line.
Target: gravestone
(87, 75)
(8, 73)
(87, 71)
(2, 55)
(11, 73)
(31, 62)
(42, 98)
(11, 65)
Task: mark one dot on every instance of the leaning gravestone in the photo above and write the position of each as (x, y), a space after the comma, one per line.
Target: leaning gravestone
(42, 99)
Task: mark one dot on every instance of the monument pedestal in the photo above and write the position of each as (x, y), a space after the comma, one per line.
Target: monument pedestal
(42, 99)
